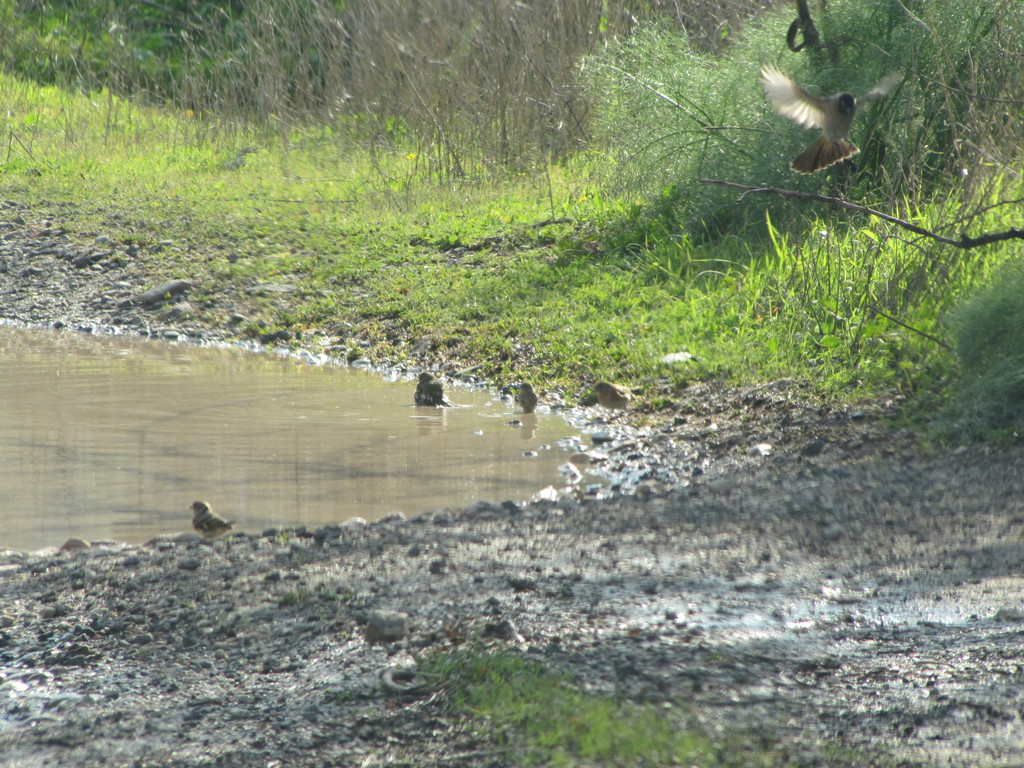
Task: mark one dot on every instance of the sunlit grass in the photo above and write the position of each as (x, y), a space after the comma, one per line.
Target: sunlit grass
(543, 718)
(531, 273)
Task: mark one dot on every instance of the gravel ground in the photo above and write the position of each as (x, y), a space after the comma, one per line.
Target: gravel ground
(843, 597)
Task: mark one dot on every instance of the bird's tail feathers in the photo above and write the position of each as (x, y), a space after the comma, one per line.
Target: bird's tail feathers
(822, 153)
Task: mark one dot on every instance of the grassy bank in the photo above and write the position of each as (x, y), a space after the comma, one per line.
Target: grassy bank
(424, 246)
(596, 265)
(540, 274)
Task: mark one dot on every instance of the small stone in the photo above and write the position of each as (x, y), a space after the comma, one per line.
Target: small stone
(143, 639)
(402, 680)
(813, 448)
(503, 629)
(833, 531)
(88, 259)
(326, 533)
(569, 473)
(278, 288)
(760, 449)
(392, 519)
(723, 484)
(163, 292)
(566, 503)
(173, 538)
(677, 357)
(483, 510)
(75, 543)
(522, 583)
(54, 611)
(188, 564)
(386, 626)
(1010, 615)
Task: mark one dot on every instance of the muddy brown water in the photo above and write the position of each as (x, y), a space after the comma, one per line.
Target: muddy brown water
(113, 437)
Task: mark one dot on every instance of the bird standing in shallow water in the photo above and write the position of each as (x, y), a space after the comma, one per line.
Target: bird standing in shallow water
(526, 398)
(612, 396)
(430, 391)
(208, 523)
(833, 114)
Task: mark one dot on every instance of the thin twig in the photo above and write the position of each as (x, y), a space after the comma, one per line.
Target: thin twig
(964, 241)
(918, 331)
(15, 137)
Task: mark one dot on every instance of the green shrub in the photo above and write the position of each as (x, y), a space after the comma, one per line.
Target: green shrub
(989, 331)
(672, 115)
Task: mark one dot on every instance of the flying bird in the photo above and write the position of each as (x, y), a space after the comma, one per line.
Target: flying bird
(208, 523)
(833, 114)
(526, 398)
(430, 391)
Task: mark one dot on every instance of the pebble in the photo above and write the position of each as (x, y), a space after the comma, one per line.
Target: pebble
(163, 292)
(483, 510)
(833, 531)
(169, 539)
(813, 448)
(386, 626)
(522, 583)
(503, 629)
(1010, 615)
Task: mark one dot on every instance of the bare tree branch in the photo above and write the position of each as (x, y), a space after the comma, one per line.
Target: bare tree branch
(964, 241)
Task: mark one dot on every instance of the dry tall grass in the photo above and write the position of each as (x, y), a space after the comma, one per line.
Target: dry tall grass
(471, 84)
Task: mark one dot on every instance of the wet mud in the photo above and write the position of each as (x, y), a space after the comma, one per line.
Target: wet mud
(801, 577)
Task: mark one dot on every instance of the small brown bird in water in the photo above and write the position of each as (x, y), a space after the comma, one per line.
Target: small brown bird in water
(430, 391)
(833, 114)
(208, 523)
(612, 395)
(526, 398)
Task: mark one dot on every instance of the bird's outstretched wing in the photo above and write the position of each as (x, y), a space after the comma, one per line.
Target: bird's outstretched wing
(884, 88)
(792, 101)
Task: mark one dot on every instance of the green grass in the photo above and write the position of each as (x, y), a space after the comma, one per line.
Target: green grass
(543, 271)
(367, 239)
(298, 598)
(543, 718)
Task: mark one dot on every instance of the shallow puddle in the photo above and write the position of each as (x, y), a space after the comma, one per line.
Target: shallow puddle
(110, 437)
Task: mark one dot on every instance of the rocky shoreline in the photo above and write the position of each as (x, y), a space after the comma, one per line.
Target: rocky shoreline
(806, 579)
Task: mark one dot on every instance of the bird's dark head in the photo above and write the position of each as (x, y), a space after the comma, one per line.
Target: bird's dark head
(847, 104)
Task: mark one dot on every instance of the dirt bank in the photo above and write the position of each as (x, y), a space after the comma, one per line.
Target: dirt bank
(841, 596)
